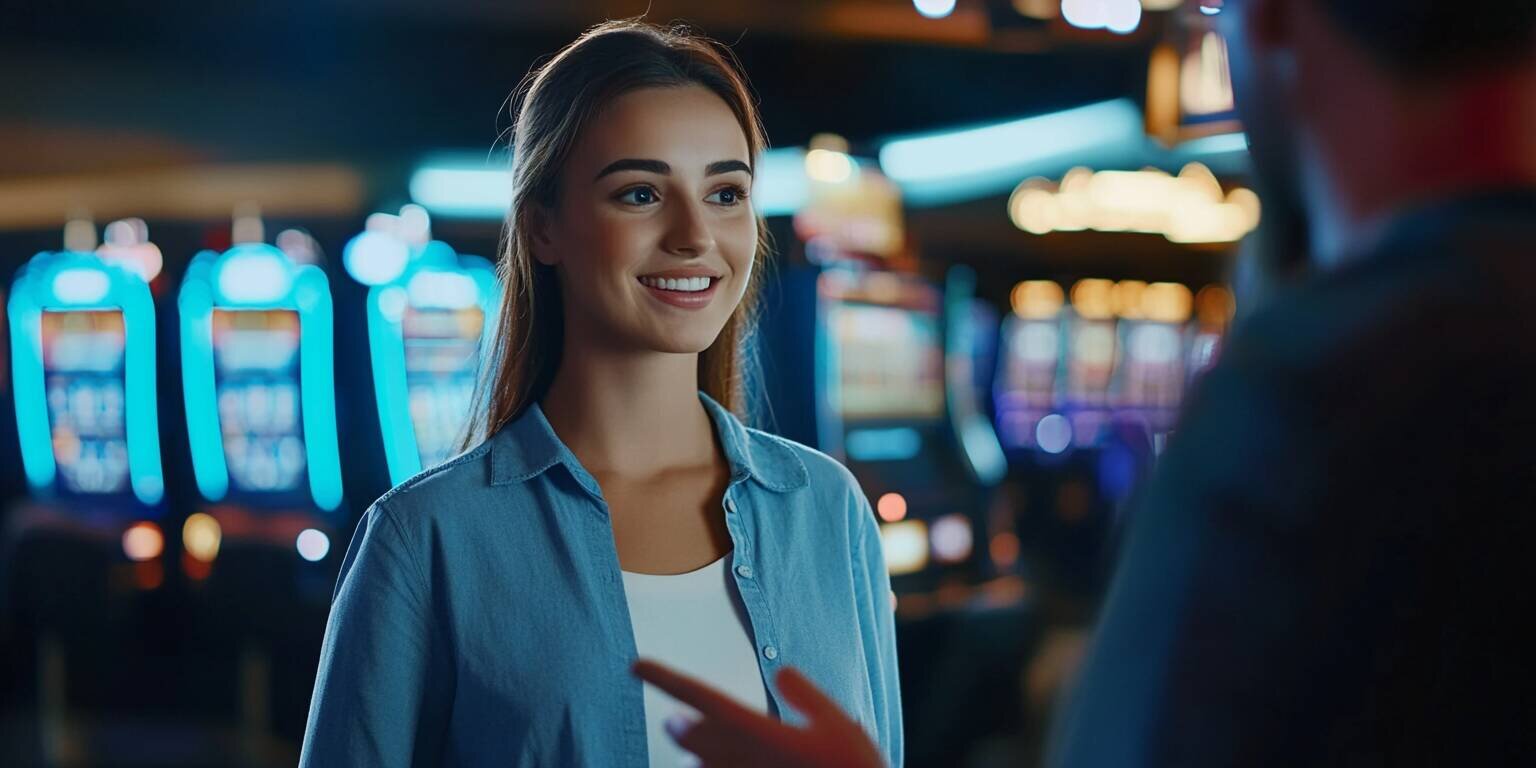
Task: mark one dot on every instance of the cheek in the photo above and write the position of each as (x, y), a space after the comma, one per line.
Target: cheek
(607, 248)
(737, 241)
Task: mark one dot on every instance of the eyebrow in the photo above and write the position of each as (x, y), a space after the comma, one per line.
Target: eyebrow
(658, 167)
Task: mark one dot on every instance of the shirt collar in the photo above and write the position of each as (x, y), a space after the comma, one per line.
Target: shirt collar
(528, 446)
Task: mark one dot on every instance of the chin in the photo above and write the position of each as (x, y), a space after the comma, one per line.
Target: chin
(685, 343)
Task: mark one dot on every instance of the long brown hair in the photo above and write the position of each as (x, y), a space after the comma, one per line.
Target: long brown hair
(556, 101)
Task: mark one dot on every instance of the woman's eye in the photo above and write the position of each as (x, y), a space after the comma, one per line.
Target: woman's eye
(638, 196)
(728, 196)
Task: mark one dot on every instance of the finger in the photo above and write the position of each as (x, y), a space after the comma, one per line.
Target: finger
(708, 741)
(708, 701)
(804, 696)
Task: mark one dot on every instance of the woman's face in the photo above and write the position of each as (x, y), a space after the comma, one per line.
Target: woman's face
(653, 236)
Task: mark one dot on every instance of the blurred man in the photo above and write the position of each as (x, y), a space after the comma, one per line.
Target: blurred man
(1332, 565)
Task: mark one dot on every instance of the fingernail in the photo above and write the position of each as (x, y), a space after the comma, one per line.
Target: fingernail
(677, 725)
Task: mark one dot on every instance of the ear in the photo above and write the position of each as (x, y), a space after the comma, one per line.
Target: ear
(539, 222)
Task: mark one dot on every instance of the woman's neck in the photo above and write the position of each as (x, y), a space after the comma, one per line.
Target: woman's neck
(629, 413)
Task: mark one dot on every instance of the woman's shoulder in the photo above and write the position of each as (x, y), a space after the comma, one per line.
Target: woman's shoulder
(445, 486)
(822, 472)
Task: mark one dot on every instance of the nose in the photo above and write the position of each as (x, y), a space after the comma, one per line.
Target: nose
(688, 234)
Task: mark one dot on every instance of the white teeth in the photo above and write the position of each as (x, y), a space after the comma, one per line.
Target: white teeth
(684, 284)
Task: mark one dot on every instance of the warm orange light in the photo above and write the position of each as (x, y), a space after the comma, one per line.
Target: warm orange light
(892, 507)
(1037, 299)
(201, 536)
(1094, 299)
(1215, 306)
(1004, 548)
(1191, 207)
(143, 541)
(1166, 302)
(196, 569)
(1127, 295)
(1163, 73)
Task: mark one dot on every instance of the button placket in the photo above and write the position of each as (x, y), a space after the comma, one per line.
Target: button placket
(750, 590)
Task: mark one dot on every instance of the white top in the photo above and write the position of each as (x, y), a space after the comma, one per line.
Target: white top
(695, 623)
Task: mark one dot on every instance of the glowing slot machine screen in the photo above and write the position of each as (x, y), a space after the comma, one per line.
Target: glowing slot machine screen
(890, 363)
(83, 364)
(256, 365)
(442, 356)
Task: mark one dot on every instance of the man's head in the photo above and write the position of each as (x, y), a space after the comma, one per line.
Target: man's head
(1306, 68)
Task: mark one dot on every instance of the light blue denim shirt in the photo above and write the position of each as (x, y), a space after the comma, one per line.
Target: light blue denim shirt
(480, 618)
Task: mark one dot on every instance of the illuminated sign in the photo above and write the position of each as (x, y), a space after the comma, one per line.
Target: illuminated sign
(1188, 208)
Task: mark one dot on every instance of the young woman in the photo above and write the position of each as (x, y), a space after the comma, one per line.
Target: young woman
(489, 611)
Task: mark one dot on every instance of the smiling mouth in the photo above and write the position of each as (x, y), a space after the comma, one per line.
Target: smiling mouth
(680, 284)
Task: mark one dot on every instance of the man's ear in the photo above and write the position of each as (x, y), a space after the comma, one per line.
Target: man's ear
(539, 221)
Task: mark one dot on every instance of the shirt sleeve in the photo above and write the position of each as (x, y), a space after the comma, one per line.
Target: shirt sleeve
(877, 618)
(371, 704)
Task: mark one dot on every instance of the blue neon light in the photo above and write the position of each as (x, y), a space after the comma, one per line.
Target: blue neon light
(1220, 144)
(781, 186)
(893, 444)
(469, 188)
(199, 387)
(375, 258)
(386, 341)
(463, 189)
(978, 442)
(974, 162)
(73, 281)
(247, 276)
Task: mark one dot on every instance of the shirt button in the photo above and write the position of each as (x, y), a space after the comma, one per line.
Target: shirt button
(730, 505)
(770, 653)
(744, 571)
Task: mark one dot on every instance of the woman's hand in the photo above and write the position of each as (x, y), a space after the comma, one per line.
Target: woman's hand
(729, 734)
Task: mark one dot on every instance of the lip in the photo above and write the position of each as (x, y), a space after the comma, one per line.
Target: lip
(689, 300)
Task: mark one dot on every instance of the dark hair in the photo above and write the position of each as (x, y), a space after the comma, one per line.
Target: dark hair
(556, 101)
(1427, 37)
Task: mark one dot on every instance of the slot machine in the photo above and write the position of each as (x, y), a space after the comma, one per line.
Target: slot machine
(881, 396)
(1092, 354)
(85, 551)
(428, 312)
(258, 384)
(1030, 356)
(257, 357)
(82, 342)
(882, 411)
(1055, 399)
(1153, 373)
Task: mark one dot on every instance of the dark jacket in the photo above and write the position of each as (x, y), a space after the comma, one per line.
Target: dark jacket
(1333, 564)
